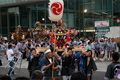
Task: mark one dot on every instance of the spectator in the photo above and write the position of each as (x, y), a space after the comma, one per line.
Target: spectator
(22, 78)
(5, 77)
(110, 69)
(37, 75)
(113, 45)
(93, 50)
(1, 53)
(88, 47)
(102, 49)
(109, 52)
(78, 76)
(56, 78)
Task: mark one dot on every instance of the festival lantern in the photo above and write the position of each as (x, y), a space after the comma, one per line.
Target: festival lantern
(55, 14)
(55, 10)
(59, 22)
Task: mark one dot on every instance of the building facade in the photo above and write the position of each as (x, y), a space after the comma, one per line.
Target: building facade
(80, 14)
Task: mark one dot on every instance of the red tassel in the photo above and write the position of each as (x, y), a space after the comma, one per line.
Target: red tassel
(67, 40)
(52, 37)
(10, 33)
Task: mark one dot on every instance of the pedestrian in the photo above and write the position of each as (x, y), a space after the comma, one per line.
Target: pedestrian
(10, 56)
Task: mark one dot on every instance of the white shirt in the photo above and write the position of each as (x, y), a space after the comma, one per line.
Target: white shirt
(9, 52)
(50, 60)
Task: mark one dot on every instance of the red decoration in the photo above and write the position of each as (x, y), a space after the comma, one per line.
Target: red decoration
(53, 55)
(60, 43)
(56, 8)
(67, 40)
(10, 33)
(27, 32)
(60, 28)
(118, 20)
(83, 46)
(52, 37)
(60, 22)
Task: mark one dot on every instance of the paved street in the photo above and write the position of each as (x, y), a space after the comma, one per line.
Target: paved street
(99, 75)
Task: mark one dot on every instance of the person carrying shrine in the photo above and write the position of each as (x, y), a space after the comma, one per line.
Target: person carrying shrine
(68, 60)
(47, 65)
(33, 61)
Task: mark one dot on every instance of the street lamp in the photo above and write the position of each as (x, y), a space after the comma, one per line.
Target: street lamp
(85, 11)
(43, 19)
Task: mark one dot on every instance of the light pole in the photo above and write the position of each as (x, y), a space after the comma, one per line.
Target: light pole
(43, 19)
(112, 11)
(85, 11)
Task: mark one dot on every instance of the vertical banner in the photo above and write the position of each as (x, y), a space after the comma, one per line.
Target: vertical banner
(55, 10)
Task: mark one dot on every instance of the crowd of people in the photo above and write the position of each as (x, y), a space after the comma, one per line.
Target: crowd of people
(61, 65)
